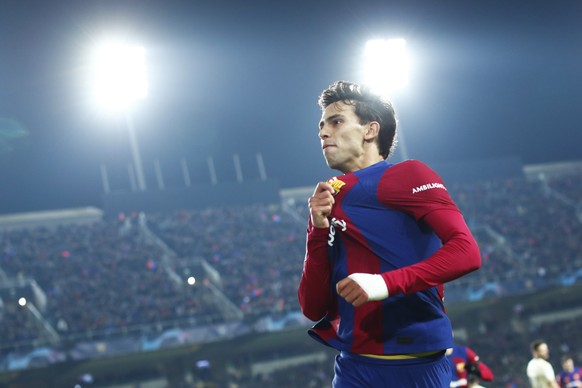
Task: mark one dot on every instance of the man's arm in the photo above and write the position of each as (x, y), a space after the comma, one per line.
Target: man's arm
(549, 375)
(314, 291)
(458, 256)
(476, 366)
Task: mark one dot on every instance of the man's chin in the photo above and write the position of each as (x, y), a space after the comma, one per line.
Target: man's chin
(331, 164)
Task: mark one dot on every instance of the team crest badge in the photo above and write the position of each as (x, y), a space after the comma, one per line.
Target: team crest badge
(336, 184)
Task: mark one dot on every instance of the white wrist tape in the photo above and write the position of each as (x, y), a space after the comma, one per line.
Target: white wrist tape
(374, 285)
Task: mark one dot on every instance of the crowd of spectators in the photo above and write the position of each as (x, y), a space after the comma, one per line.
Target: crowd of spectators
(17, 327)
(107, 277)
(98, 279)
(529, 233)
(258, 250)
(528, 237)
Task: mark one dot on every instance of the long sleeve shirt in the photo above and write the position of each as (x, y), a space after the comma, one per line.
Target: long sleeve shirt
(398, 221)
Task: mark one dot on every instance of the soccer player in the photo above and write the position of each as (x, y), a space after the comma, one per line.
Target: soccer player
(465, 363)
(539, 371)
(570, 376)
(382, 239)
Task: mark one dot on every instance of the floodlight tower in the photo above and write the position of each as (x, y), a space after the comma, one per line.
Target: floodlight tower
(120, 81)
(386, 69)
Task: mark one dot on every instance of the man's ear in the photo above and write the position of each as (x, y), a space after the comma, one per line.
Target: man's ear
(373, 131)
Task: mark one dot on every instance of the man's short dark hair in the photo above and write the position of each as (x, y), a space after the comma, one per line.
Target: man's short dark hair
(566, 357)
(368, 106)
(535, 345)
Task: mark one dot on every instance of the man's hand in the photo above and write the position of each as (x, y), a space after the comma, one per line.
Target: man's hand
(359, 288)
(320, 204)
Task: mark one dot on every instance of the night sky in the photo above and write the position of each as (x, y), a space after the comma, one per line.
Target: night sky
(488, 79)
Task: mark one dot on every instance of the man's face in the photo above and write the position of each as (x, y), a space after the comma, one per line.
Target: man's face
(568, 365)
(342, 137)
(543, 351)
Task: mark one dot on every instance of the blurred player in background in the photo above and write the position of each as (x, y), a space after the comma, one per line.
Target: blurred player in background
(382, 240)
(539, 371)
(466, 363)
(570, 376)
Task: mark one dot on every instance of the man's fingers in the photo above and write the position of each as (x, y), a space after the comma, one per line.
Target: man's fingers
(315, 202)
(363, 298)
(321, 204)
(342, 285)
(323, 187)
(356, 298)
(351, 291)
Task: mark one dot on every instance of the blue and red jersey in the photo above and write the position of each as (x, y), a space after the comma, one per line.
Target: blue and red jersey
(465, 361)
(398, 221)
(570, 379)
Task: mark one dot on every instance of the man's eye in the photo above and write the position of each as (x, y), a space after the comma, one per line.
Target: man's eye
(336, 122)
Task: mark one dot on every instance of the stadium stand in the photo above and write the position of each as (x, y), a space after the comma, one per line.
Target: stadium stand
(99, 286)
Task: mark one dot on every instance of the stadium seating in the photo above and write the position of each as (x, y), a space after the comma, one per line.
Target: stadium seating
(128, 275)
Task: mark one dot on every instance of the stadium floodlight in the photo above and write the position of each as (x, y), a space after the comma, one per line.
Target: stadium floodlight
(386, 70)
(386, 65)
(120, 75)
(119, 81)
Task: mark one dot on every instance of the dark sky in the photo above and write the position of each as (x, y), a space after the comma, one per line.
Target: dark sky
(489, 79)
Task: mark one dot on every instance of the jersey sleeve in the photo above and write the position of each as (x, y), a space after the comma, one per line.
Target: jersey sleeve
(415, 189)
(482, 370)
(314, 291)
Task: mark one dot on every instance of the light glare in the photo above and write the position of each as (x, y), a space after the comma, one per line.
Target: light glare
(120, 75)
(386, 65)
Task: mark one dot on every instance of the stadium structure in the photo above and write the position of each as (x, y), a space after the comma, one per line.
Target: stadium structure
(194, 287)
